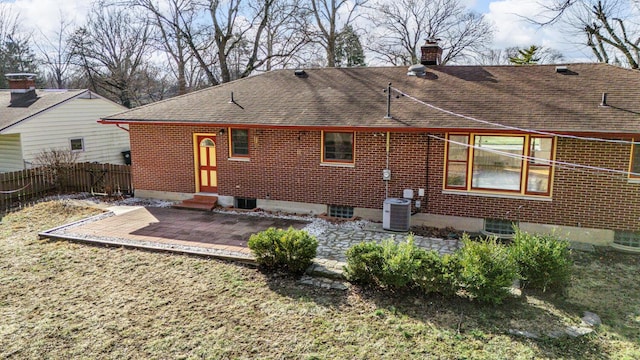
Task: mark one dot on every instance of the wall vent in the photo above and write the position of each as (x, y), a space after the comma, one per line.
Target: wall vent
(396, 214)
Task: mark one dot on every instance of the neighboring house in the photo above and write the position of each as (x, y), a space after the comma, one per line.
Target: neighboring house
(33, 121)
(480, 146)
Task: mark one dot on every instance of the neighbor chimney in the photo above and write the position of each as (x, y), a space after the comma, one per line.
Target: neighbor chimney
(22, 87)
(431, 53)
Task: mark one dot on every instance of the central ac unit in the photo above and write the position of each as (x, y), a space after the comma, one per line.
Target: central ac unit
(396, 214)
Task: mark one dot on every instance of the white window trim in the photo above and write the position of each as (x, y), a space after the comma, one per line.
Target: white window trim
(81, 141)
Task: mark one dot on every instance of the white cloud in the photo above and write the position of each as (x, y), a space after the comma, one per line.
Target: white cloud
(44, 15)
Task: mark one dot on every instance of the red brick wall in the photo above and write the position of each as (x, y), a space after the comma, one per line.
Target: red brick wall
(162, 157)
(580, 198)
(285, 165)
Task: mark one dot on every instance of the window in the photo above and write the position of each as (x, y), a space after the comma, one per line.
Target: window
(345, 212)
(457, 158)
(239, 142)
(245, 203)
(499, 226)
(627, 238)
(635, 161)
(519, 164)
(539, 167)
(77, 144)
(337, 147)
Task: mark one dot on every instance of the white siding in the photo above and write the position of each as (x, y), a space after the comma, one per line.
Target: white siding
(10, 154)
(76, 118)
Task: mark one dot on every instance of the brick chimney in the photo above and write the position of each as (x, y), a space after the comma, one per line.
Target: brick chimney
(431, 53)
(22, 87)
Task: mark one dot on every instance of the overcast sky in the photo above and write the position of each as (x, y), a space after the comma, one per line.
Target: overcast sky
(506, 15)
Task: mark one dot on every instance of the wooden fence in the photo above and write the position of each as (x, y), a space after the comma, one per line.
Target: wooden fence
(25, 187)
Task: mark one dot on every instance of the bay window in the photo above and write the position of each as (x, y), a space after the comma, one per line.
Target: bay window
(517, 164)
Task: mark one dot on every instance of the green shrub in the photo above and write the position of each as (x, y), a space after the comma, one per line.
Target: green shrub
(543, 260)
(400, 264)
(388, 264)
(487, 269)
(292, 250)
(364, 263)
(437, 273)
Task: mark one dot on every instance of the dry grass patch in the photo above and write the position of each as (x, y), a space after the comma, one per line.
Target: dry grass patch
(64, 300)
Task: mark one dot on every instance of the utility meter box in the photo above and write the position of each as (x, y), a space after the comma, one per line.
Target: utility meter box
(386, 174)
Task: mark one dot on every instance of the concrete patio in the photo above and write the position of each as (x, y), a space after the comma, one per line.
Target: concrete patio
(224, 234)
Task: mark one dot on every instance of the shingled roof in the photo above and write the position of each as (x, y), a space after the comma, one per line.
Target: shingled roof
(46, 99)
(531, 97)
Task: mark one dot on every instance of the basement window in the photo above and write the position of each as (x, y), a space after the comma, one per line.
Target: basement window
(499, 227)
(77, 144)
(627, 238)
(244, 203)
(339, 211)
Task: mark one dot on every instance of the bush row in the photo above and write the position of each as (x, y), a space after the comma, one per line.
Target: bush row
(484, 269)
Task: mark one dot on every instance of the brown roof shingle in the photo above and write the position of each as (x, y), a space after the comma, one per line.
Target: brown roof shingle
(46, 99)
(531, 97)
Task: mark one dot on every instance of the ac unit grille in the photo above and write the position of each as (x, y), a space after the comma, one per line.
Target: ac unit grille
(396, 214)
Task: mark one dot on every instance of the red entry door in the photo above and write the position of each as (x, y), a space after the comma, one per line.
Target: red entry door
(207, 169)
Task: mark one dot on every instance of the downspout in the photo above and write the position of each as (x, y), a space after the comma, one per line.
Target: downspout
(386, 183)
(425, 201)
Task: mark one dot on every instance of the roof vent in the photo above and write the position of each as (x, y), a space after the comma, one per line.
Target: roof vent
(561, 69)
(417, 70)
(300, 73)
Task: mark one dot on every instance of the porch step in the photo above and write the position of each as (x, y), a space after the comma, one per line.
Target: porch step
(198, 202)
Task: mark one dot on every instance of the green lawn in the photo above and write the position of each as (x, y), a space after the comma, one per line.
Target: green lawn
(65, 300)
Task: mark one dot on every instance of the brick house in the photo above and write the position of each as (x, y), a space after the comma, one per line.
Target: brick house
(550, 147)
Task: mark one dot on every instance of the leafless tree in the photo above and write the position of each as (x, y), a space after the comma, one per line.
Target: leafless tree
(179, 35)
(610, 27)
(111, 48)
(330, 17)
(406, 24)
(227, 39)
(501, 56)
(16, 54)
(284, 35)
(56, 53)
